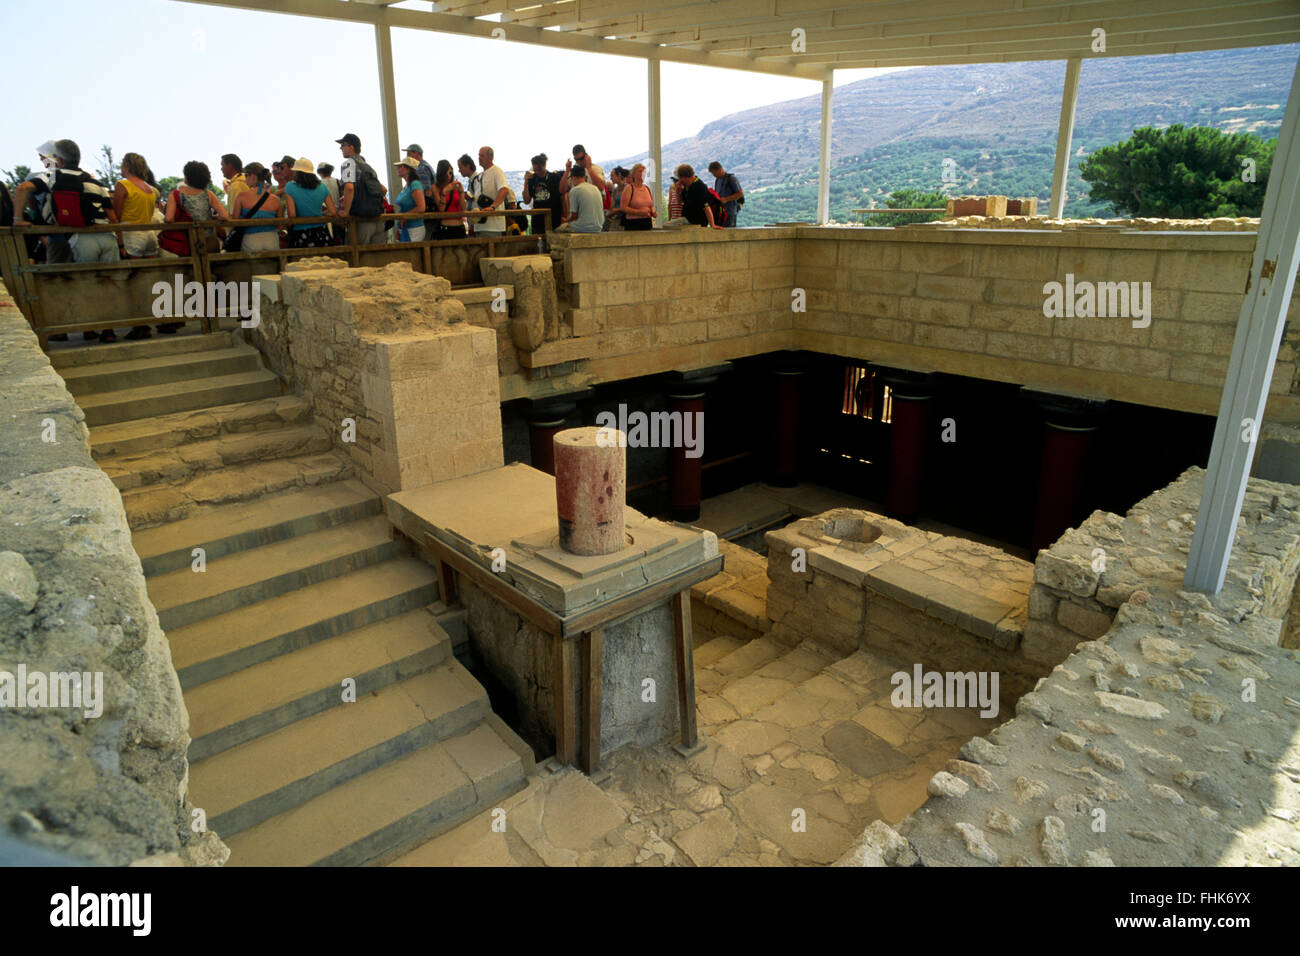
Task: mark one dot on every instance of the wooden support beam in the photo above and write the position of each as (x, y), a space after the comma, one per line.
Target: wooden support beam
(593, 644)
(388, 105)
(563, 691)
(656, 133)
(1269, 285)
(683, 645)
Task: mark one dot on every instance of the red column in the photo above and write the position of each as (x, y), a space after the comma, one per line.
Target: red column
(683, 472)
(1068, 427)
(908, 434)
(785, 466)
(541, 442)
(546, 418)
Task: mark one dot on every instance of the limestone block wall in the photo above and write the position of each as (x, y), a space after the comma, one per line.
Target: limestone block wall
(965, 301)
(863, 580)
(652, 301)
(970, 302)
(107, 787)
(389, 349)
(1166, 741)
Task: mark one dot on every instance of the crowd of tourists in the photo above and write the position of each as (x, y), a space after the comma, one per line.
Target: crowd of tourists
(581, 199)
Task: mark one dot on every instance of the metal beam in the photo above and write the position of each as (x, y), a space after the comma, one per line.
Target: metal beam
(388, 105)
(465, 26)
(1065, 135)
(824, 154)
(1250, 369)
(656, 132)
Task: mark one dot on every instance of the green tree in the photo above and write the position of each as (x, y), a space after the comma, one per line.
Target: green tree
(109, 171)
(910, 199)
(12, 177)
(1182, 173)
(168, 183)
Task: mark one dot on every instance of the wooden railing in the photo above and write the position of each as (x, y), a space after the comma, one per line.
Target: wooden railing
(80, 297)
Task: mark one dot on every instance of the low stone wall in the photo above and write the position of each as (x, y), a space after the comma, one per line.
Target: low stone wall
(732, 603)
(862, 580)
(1168, 740)
(390, 350)
(107, 787)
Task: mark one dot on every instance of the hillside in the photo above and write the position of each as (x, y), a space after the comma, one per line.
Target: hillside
(997, 121)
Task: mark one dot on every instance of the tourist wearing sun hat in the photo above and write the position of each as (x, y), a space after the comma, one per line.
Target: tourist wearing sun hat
(308, 196)
(410, 199)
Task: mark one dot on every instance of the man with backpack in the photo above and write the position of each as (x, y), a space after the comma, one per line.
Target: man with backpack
(727, 186)
(363, 193)
(700, 204)
(75, 198)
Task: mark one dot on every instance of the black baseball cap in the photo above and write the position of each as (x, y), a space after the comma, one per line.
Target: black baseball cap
(352, 139)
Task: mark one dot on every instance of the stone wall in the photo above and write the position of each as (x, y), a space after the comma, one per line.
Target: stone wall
(867, 581)
(109, 788)
(389, 349)
(1168, 740)
(964, 301)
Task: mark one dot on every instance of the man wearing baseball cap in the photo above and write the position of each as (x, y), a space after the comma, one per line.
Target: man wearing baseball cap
(354, 176)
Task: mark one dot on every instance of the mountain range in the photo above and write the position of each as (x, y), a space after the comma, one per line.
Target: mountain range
(997, 123)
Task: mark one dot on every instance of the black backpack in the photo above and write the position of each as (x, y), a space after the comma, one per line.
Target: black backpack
(367, 199)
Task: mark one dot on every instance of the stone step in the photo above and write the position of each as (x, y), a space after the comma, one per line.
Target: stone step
(131, 373)
(104, 408)
(149, 507)
(229, 529)
(181, 428)
(752, 692)
(412, 798)
(710, 652)
(126, 351)
(185, 596)
(252, 782)
(261, 699)
(736, 664)
(176, 465)
(228, 642)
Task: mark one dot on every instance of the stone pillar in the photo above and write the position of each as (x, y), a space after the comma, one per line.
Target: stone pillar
(785, 445)
(546, 417)
(686, 396)
(908, 434)
(1069, 423)
(591, 489)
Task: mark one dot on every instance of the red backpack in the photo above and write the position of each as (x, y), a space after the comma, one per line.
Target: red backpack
(177, 241)
(69, 199)
(719, 210)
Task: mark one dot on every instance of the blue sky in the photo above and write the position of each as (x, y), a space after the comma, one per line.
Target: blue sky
(265, 84)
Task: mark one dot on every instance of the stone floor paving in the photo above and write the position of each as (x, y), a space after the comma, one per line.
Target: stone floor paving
(801, 751)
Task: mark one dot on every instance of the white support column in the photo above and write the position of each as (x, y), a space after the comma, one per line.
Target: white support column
(656, 134)
(1254, 350)
(1064, 135)
(824, 155)
(388, 105)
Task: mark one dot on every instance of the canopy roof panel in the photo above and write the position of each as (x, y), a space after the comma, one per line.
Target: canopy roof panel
(807, 38)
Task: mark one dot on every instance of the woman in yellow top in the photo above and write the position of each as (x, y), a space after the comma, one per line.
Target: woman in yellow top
(135, 202)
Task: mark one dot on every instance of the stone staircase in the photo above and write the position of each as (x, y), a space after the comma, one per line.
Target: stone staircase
(330, 722)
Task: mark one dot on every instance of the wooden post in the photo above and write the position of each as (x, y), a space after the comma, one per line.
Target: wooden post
(593, 643)
(446, 583)
(683, 645)
(824, 152)
(563, 701)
